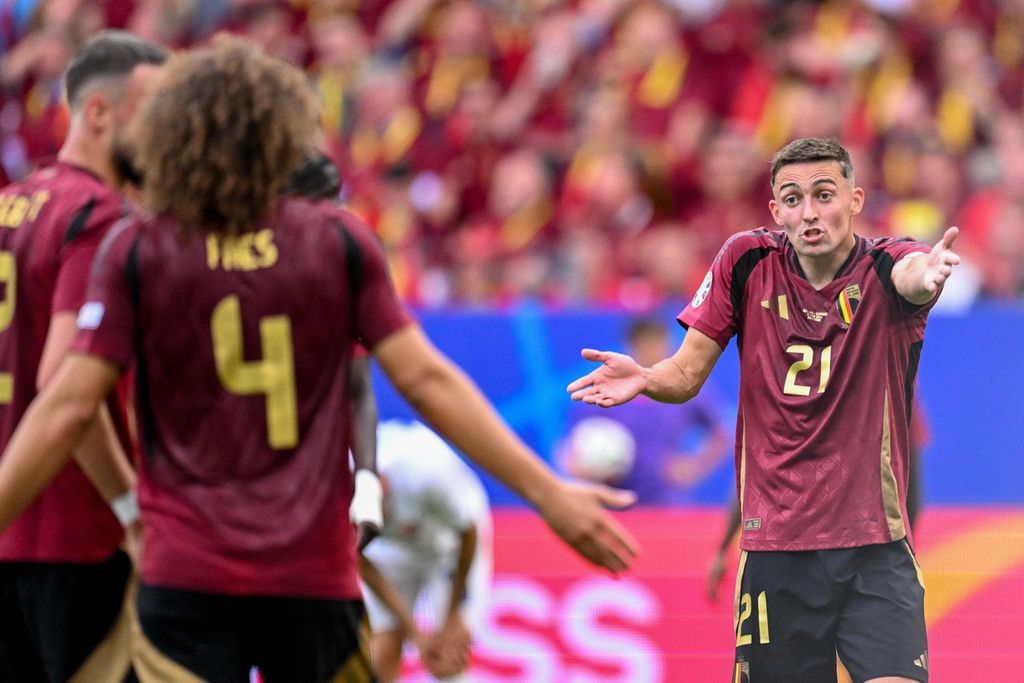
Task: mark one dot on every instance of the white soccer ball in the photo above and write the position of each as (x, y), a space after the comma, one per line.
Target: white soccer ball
(601, 449)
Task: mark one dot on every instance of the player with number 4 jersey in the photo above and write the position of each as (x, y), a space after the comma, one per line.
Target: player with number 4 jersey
(239, 308)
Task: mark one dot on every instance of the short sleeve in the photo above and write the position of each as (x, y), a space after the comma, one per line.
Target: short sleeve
(715, 308)
(378, 311)
(82, 239)
(106, 321)
(889, 253)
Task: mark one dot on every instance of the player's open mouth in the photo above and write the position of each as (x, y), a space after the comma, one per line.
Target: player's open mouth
(812, 234)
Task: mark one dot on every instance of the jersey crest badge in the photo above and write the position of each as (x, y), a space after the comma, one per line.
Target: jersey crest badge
(846, 304)
(702, 292)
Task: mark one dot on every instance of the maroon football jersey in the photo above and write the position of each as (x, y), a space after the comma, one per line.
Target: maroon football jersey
(242, 348)
(826, 381)
(51, 224)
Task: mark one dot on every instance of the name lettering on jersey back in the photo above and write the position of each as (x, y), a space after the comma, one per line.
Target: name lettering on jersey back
(250, 251)
(15, 209)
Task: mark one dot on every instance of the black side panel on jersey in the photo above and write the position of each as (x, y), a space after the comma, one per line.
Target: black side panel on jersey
(147, 437)
(914, 359)
(353, 263)
(745, 265)
(80, 220)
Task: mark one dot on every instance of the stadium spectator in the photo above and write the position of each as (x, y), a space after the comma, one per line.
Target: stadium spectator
(63, 576)
(660, 79)
(434, 553)
(234, 570)
(823, 427)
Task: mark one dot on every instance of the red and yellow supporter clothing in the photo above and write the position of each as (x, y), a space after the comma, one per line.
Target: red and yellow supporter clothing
(826, 382)
(242, 346)
(51, 224)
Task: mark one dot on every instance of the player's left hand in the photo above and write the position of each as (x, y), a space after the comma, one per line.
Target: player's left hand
(940, 261)
(576, 512)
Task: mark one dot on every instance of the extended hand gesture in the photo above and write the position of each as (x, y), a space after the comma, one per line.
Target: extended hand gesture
(618, 380)
(576, 513)
(940, 261)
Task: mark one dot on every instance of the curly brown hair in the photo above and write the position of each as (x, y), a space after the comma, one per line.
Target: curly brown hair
(217, 140)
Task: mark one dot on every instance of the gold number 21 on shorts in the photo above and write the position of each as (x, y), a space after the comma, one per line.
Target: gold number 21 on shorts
(273, 375)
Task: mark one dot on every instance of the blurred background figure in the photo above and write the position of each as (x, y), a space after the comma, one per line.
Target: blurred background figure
(427, 576)
(660, 451)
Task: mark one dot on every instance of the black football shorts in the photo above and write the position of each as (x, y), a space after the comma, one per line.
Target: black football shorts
(796, 611)
(188, 636)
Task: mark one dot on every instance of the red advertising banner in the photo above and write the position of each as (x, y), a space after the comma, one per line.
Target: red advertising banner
(552, 619)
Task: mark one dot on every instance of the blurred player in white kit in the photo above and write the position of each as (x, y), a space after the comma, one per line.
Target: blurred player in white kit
(434, 551)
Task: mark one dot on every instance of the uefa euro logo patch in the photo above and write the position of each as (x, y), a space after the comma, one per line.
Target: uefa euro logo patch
(846, 304)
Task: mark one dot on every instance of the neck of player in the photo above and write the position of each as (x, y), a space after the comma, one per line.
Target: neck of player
(821, 269)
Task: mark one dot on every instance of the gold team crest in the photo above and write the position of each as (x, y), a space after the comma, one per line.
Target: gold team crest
(847, 302)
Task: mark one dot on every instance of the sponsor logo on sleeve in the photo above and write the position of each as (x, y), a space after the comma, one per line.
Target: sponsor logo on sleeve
(90, 315)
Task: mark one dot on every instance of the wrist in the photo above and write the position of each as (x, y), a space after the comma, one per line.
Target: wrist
(126, 508)
(367, 498)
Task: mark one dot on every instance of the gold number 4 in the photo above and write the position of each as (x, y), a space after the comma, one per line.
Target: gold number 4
(9, 281)
(763, 637)
(806, 354)
(273, 375)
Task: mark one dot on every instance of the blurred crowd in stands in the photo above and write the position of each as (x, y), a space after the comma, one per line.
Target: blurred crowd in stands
(599, 151)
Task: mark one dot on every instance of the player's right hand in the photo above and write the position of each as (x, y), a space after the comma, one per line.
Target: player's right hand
(576, 512)
(619, 379)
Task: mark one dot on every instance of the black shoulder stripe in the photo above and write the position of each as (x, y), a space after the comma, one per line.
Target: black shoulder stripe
(79, 221)
(741, 272)
(146, 415)
(353, 261)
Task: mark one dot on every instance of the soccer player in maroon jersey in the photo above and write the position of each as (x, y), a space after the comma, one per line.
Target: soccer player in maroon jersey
(829, 328)
(239, 309)
(62, 577)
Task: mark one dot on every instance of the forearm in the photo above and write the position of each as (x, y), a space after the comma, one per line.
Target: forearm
(668, 382)
(103, 460)
(467, 551)
(383, 589)
(39, 449)
(364, 417)
(450, 402)
(908, 277)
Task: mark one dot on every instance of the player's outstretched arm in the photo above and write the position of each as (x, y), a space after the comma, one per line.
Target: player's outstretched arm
(673, 380)
(451, 403)
(51, 428)
(918, 277)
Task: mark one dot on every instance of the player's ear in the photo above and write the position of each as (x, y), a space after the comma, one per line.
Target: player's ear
(857, 203)
(773, 206)
(97, 111)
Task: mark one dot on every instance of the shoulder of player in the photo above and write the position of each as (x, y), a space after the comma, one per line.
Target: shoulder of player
(758, 239)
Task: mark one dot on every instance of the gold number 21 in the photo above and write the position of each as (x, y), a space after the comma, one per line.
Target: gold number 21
(273, 375)
(743, 613)
(806, 354)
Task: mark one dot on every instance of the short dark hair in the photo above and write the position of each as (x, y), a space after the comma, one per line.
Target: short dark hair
(645, 327)
(812, 149)
(316, 178)
(108, 53)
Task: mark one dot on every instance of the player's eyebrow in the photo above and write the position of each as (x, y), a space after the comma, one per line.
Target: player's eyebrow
(795, 185)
